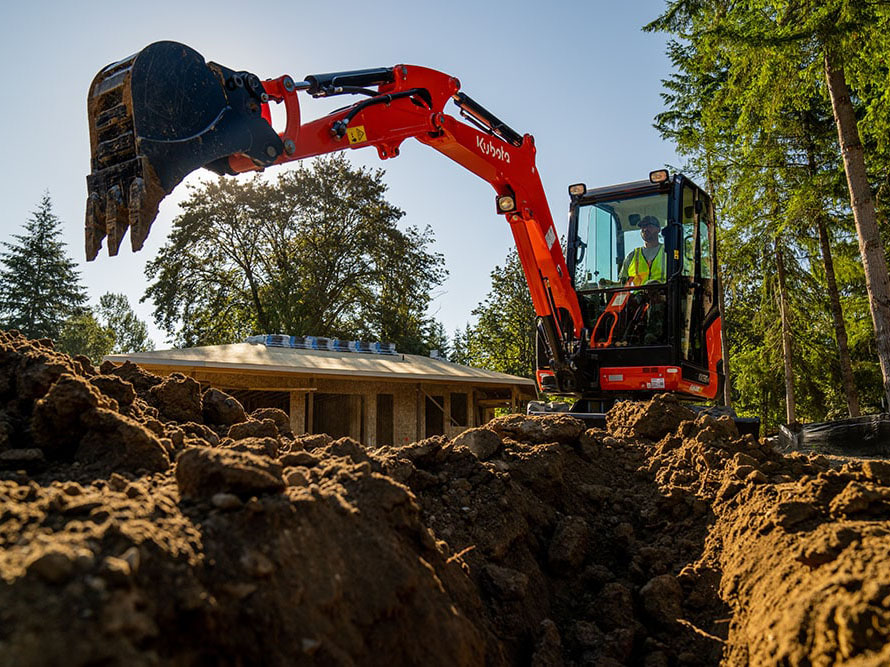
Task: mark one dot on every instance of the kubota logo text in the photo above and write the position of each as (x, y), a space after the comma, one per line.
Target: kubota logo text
(488, 147)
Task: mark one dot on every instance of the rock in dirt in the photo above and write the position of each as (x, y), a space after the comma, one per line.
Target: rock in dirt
(220, 408)
(483, 442)
(202, 472)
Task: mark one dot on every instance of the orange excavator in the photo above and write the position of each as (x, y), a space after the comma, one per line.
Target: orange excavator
(165, 112)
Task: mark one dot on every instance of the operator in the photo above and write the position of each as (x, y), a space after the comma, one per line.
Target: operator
(646, 264)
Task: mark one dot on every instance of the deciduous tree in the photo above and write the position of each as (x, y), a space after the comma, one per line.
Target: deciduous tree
(83, 334)
(316, 252)
(130, 333)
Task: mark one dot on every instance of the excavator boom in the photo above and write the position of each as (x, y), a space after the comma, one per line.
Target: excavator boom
(164, 112)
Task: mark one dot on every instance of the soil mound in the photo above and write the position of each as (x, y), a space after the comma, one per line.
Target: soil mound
(146, 522)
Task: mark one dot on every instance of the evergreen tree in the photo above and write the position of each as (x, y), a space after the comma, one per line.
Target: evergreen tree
(503, 338)
(39, 285)
(750, 108)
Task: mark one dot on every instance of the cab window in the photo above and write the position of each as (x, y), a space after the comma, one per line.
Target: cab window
(608, 233)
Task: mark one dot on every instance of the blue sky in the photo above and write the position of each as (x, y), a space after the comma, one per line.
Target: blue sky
(580, 76)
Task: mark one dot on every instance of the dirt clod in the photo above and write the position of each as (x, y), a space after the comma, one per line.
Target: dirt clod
(253, 429)
(178, 398)
(482, 442)
(202, 472)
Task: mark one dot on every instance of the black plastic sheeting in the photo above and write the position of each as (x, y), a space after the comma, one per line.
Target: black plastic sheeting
(860, 436)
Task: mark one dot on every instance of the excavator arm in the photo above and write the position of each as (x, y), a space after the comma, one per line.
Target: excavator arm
(163, 113)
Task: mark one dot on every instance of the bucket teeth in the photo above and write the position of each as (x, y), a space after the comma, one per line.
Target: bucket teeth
(116, 218)
(94, 230)
(139, 226)
(155, 117)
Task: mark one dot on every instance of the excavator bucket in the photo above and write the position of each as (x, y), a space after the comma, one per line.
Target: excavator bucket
(154, 118)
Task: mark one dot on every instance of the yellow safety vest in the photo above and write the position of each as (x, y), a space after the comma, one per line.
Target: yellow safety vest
(640, 271)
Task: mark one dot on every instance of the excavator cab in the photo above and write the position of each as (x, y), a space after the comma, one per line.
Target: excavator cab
(641, 257)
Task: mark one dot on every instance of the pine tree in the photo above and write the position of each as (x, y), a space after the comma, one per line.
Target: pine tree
(750, 107)
(39, 285)
(503, 338)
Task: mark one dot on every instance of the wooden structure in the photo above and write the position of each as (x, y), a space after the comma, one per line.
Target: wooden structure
(378, 399)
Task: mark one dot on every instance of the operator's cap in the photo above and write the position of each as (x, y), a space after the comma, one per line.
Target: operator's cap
(650, 220)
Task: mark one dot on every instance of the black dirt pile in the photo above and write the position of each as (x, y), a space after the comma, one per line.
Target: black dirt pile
(147, 522)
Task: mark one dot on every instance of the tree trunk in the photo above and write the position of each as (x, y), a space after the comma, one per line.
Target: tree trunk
(837, 315)
(790, 407)
(877, 281)
(834, 299)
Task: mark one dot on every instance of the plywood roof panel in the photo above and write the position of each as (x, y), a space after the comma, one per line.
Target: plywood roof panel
(259, 358)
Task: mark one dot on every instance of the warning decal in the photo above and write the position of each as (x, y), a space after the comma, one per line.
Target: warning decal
(356, 134)
(550, 237)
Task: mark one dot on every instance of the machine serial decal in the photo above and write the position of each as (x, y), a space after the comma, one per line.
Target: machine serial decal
(356, 134)
(488, 147)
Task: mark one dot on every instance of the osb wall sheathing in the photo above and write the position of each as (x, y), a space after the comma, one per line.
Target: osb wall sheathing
(409, 400)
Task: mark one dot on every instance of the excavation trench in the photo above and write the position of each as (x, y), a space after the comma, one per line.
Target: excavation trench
(146, 522)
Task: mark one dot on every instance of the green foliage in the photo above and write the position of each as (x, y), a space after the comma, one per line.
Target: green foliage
(39, 286)
(82, 334)
(316, 252)
(749, 110)
(130, 333)
(503, 338)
